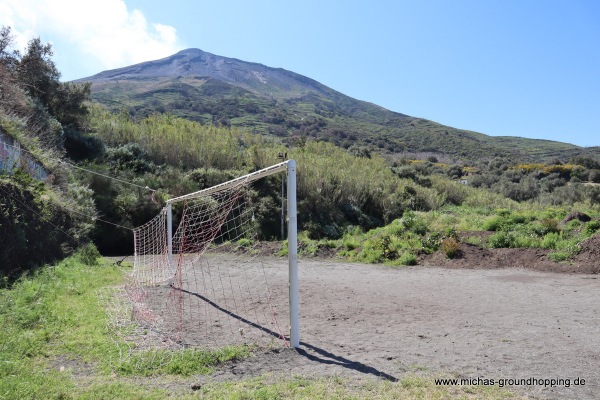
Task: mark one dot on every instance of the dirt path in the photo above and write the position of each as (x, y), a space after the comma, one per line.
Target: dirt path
(368, 320)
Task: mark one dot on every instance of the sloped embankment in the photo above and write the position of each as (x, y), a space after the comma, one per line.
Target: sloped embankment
(475, 257)
(34, 230)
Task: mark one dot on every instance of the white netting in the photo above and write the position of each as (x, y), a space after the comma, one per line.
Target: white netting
(216, 291)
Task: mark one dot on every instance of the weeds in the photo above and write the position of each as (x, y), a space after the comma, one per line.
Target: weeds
(450, 247)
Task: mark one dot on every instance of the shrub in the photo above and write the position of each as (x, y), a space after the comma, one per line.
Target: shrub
(550, 240)
(431, 242)
(517, 219)
(450, 247)
(502, 240)
(573, 224)
(407, 258)
(88, 254)
(396, 228)
(385, 246)
(549, 225)
(591, 228)
(451, 233)
(408, 220)
(503, 212)
(350, 243)
(244, 242)
(494, 223)
(412, 222)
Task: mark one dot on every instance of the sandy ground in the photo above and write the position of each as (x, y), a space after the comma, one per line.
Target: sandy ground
(371, 321)
(375, 321)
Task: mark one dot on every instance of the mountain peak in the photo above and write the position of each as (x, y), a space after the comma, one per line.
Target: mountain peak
(193, 62)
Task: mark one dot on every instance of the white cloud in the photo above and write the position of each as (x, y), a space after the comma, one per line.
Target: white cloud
(105, 30)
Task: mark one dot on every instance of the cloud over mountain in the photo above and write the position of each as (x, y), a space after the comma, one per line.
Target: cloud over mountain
(105, 30)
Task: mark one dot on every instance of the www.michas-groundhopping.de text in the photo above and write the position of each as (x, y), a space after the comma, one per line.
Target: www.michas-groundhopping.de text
(502, 382)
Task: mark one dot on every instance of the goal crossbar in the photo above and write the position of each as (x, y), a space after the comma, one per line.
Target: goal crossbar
(274, 169)
(288, 166)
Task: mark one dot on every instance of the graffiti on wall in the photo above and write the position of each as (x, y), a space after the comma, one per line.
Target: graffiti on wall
(12, 157)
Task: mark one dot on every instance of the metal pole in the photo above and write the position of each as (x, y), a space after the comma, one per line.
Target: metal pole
(282, 208)
(293, 254)
(170, 236)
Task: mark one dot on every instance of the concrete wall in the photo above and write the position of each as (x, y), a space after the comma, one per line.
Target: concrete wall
(12, 158)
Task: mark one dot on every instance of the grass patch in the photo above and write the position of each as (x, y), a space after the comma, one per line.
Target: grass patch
(52, 312)
(55, 314)
(559, 256)
(185, 362)
(410, 387)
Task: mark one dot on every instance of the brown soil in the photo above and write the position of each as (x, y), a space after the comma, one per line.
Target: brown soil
(490, 314)
(376, 322)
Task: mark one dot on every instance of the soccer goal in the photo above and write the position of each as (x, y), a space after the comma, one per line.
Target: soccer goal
(202, 281)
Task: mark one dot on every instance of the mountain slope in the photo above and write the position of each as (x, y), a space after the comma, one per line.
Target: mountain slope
(205, 87)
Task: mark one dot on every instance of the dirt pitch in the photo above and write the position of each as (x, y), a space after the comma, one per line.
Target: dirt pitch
(368, 321)
(491, 314)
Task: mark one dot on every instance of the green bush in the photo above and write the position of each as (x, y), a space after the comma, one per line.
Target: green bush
(244, 242)
(350, 243)
(550, 240)
(503, 212)
(432, 242)
(549, 225)
(412, 222)
(573, 224)
(494, 223)
(502, 240)
(396, 228)
(385, 246)
(591, 227)
(407, 258)
(88, 254)
(517, 219)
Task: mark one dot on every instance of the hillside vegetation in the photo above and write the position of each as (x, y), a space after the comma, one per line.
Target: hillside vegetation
(343, 193)
(211, 89)
(40, 220)
(338, 191)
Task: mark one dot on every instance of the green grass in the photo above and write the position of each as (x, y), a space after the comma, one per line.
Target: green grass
(53, 312)
(413, 386)
(185, 363)
(55, 317)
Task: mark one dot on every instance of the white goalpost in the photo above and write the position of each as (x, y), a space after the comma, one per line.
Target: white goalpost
(180, 278)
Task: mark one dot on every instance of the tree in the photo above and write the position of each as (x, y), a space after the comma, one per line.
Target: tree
(594, 176)
(68, 104)
(455, 172)
(58, 109)
(8, 57)
(38, 74)
(587, 162)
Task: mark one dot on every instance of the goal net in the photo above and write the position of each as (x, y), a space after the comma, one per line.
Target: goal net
(204, 282)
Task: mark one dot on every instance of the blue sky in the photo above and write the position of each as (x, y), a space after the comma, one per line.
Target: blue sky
(513, 68)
